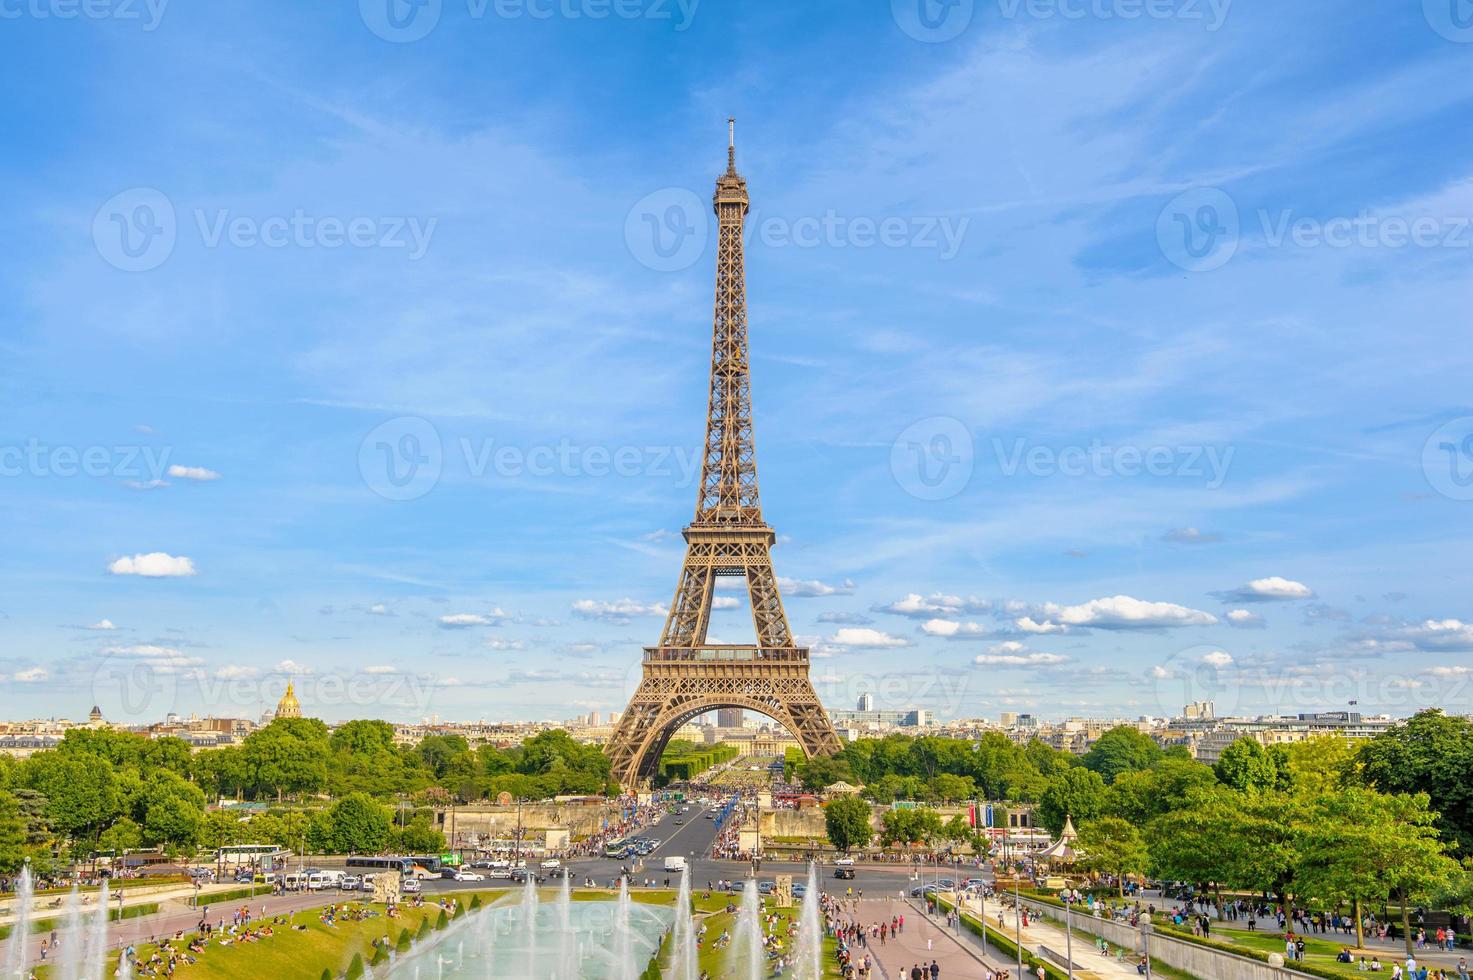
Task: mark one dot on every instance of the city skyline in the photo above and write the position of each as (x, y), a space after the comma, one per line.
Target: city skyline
(1028, 448)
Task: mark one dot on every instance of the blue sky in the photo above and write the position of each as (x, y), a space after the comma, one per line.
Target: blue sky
(1105, 354)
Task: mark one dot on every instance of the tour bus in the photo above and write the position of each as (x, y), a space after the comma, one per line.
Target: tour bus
(617, 848)
(406, 866)
(260, 855)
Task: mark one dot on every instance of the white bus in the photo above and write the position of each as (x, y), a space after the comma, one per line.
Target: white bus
(256, 855)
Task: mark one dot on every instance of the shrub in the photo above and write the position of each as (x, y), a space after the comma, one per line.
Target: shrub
(442, 921)
(405, 941)
(424, 928)
(355, 968)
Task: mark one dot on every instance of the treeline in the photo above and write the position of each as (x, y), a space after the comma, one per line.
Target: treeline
(111, 791)
(1327, 821)
(684, 760)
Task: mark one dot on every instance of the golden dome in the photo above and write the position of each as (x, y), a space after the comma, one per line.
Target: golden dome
(288, 706)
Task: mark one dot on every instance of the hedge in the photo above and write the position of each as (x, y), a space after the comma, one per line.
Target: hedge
(685, 765)
(46, 925)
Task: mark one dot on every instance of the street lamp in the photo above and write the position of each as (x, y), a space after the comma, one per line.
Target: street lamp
(1018, 919)
(1069, 933)
(1146, 943)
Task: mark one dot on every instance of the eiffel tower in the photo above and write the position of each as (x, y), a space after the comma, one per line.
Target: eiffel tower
(685, 676)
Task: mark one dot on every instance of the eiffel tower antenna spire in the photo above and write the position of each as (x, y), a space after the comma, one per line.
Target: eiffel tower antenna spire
(685, 676)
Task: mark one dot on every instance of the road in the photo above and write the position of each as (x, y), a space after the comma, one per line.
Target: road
(692, 838)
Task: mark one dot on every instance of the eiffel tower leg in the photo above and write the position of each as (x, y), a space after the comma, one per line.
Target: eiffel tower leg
(690, 611)
(767, 606)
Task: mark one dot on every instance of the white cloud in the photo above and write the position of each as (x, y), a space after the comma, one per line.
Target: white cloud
(500, 643)
(725, 602)
(103, 625)
(292, 667)
(236, 672)
(155, 564)
(1244, 620)
(1440, 634)
(1190, 535)
(1123, 612)
(461, 621)
(951, 629)
(192, 473)
(1275, 588)
(161, 658)
(1028, 625)
(381, 669)
(935, 604)
(619, 611)
(858, 636)
(379, 609)
(1011, 653)
(1217, 658)
(31, 675)
(813, 588)
(1449, 673)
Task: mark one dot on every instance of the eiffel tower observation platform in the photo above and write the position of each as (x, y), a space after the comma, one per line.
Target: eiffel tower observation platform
(727, 653)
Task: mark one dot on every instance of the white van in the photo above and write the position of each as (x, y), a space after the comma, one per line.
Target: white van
(675, 863)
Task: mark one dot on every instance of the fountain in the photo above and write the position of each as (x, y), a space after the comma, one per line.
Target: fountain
(17, 956)
(808, 963)
(746, 955)
(623, 940)
(598, 940)
(683, 952)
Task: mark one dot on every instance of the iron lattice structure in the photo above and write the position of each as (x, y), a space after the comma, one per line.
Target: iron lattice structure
(685, 676)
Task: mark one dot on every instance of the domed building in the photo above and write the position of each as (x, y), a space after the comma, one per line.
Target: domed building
(289, 706)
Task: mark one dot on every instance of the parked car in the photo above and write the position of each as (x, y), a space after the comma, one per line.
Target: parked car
(351, 883)
(410, 886)
(465, 874)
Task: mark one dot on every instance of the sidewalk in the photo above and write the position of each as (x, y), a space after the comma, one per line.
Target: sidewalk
(1041, 932)
(921, 941)
(1388, 951)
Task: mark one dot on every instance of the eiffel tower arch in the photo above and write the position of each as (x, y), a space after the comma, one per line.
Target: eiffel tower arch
(684, 676)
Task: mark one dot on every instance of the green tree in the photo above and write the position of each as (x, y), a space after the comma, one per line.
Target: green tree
(1428, 753)
(821, 771)
(1122, 749)
(949, 788)
(911, 825)
(847, 821)
(1111, 845)
(12, 834)
(287, 756)
(1321, 766)
(80, 789)
(1142, 796)
(1075, 792)
(173, 811)
(1246, 765)
(1359, 844)
(357, 824)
